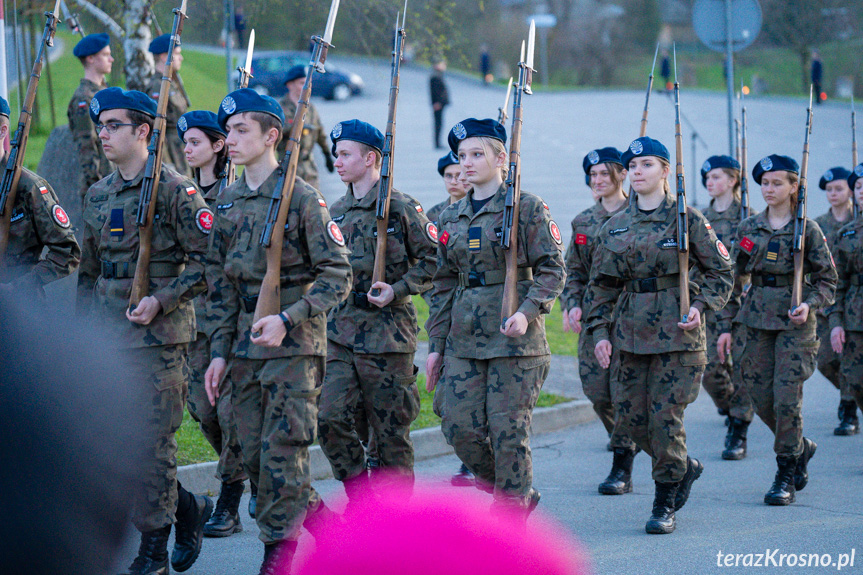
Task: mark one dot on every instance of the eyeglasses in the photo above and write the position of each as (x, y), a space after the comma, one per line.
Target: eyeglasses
(112, 127)
(451, 177)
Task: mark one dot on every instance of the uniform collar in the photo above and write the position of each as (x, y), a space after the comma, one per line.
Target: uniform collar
(91, 84)
(733, 209)
(494, 205)
(368, 201)
(265, 189)
(762, 222)
(660, 214)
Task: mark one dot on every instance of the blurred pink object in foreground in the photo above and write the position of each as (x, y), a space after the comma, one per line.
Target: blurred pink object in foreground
(438, 531)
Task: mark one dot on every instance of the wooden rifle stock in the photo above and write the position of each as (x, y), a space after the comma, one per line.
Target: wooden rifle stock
(180, 86)
(799, 246)
(682, 220)
(642, 130)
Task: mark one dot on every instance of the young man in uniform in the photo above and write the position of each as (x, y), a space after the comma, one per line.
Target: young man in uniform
(94, 52)
(156, 333)
(372, 335)
(37, 221)
(277, 363)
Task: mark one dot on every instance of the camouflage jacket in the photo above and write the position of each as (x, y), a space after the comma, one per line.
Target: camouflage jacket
(94, 164)
(173, 150)
(38, 222)
(724, 223)
(110, 250)
(201, 299)
(847, 309)
(410, 263)
(313, 133)
(830, 227)
(465, 321)
(315, 273)
(762, 251)
(433, 213)
(634, 245)
(579, 254)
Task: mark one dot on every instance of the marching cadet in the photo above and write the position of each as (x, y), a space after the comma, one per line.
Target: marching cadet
(158, 331)
(776, 347)
(207, 155)
(835, 183)
(37, 221)
(492, 375)
(634, 296)
(94, 52)
(372, 338)
(276, 375)
(846, 314)
(604, 174)
(313, 129)
(721, 176)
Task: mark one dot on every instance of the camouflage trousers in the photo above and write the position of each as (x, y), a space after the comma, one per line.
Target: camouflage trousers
(830, 362)
(597, 386)
(852, 365)
(717, 379)
(167, 374)
(652, 393)
(488, 406)
(379, 387)
(275, 408)
(740, 404)
(217, 423)
(773, 366)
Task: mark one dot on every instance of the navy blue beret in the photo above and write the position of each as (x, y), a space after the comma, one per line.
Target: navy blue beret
(449, 160)
(119, 99)
(714, 162)
(645, 146)
(837, 173)
(4, 108)
(160, 44)
(473, 128)
(90, 44)
(774, 163)
(203, 119)
(247, 100)
(855, 175)
(357, 131)
(298, 71)
(600, 156)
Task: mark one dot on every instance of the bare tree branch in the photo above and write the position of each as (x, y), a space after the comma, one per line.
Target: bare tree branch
(102, 17)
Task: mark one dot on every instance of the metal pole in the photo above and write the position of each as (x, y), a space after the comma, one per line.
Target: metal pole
(543, 57)
(229, 38)
(695, 177)
(729, 73)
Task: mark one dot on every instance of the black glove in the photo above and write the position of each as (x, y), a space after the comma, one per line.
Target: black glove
(330, 166)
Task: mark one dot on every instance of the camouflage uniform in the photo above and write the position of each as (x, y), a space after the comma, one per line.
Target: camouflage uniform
(91, 157)
(370, 350)
(110, 247)
(847, 311)
(772, 355)
(275, 390)
(579, 256)
(634, 291)
(491, 381)
(433, 214)
(829, 362)
(313, 133)
(38, 221)
(172, 152)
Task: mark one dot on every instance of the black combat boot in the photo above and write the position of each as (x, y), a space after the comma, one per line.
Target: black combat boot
(801, 473)
(848, 422)
(225, 520)
(152, 556)
(189, 532)
(320, 516)
(619, 480)
(735, 440)
(694, 468)
(662, 520)
(782, 491)
(463, 478)
(253, 500)
(278, 557)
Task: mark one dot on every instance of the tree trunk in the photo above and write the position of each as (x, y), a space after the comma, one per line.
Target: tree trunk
(139, 62)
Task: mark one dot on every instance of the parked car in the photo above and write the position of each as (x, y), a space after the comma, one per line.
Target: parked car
(269, 68)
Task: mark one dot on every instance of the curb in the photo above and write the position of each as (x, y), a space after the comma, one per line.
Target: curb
(428, 443)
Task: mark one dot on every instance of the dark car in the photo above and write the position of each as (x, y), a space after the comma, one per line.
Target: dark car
(269, 68)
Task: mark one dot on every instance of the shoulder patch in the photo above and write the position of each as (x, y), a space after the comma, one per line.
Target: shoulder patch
(720, 247)
(581, 239)
(848, 233)
(43, 190)
(335, 233)
(555, 232)
(431, 231)
(224, 206)
(204, 220)
(444, 238)
(322, 202)
(17, 216)
(419, 208)
(60, 216)
(338, 219)
(746, 245)
(82, 104)
(707, 225)
(191, 190)
(545, 206)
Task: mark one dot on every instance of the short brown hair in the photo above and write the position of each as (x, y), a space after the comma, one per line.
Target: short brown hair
(267, 122)
(365, 149)
(138, 118)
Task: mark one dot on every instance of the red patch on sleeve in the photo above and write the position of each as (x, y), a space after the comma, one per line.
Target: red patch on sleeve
(581, 239)
(43, 189)
(322, 202)
(746, 245)
(191, 190)
(444, 238)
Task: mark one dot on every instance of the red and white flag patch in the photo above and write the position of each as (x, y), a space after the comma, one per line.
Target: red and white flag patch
(60, 216)
(43, 189)
(191, 190)
(419, 208)
(322, 202)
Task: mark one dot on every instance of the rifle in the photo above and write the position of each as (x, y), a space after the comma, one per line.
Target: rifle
(71, 19)
(737, 139)
(501, 112)
(643, 129)
(682, 221)
(800, 221)
(509, 240)
(153, 171)
(242, 82)
(856, 209)
(744, 180)
(273, 235)
(15, 161)
(385, 186)
(180, 86)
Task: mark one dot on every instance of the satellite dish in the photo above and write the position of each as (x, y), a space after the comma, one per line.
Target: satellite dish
(708, 19)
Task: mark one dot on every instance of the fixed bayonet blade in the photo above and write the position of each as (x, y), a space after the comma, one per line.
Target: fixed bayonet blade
(250, 51)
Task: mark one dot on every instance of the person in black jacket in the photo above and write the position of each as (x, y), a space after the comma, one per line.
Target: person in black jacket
(439, 99)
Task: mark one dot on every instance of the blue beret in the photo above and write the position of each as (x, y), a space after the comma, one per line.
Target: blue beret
(119, 99)
(160, 44)
(774, 163)
(4, 108)
(473, 128)
(90, 44)
(449, 160)
(204, 119)
(645, 146)
(247, 100)
(837, 173)
(600, 156)
(298, 71)
(714, 162)
(855, 175)
(357, 131)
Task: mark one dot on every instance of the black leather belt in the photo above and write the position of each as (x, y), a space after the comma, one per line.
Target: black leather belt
(287, 296)
(474, 279)
(772, 280)
(648, 285)
(122, 270)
